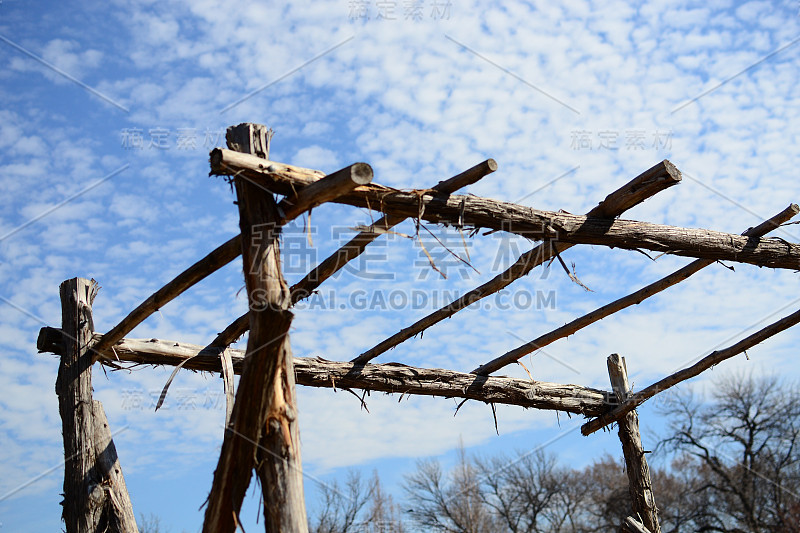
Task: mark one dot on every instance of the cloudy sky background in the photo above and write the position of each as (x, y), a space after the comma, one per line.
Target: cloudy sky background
(572, 101)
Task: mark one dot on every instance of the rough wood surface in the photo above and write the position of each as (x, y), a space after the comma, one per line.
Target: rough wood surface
(389, 378)
(355, 247)
(95, 498)
(626, 301)
(264, 430)
(638, 398)
(326, 189)
(531, 223)
(114, 491)
(250, 138)
(647, 184)
(208, 265)
(640, 486)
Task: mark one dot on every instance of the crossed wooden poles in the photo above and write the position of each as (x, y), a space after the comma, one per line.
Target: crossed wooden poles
(262, 433)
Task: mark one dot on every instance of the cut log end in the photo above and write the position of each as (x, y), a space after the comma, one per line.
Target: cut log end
(361, 173)
(672, 170)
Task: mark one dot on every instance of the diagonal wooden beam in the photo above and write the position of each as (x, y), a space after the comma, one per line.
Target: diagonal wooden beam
(638, 398)
(195, 273)
(647, 184)
(355, 247)
(325, 188)
(626, 301)
(532, 223)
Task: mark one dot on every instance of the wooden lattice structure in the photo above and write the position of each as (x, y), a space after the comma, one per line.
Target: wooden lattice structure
(262, 420)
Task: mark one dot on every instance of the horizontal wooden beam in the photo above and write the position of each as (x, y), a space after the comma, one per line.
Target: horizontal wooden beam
(389, 378)
(638, 398)
(531, 223)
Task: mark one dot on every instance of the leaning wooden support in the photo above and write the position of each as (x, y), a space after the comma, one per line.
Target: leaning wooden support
(215, 260)
(638, 398)
(355, 247)
(532, 223)
(647, 184)
(640, 486)
(95, 496)
(626, 301)
(391, 378)
(264, 430)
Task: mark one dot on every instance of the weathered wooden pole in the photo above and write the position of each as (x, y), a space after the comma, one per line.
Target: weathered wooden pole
(95, 496)
(639, 484)
(264, 432)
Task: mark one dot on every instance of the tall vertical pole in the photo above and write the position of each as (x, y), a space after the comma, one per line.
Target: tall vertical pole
(263, 433)
(95, 496)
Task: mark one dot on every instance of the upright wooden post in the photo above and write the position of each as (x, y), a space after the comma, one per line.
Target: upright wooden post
(264, 432)
(95, 496)
(639, 484)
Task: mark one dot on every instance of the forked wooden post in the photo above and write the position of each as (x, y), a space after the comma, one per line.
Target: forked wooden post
(639, 484)
(264, 431)
(95, 496)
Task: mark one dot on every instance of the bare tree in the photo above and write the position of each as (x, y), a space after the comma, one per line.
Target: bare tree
(530, 493)
(358, 507)
(384, 515)
(454, 503)
(342, 506)
(742, 451)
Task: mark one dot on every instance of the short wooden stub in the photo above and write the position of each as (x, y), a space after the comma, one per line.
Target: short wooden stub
(639, 484)
(95, 496)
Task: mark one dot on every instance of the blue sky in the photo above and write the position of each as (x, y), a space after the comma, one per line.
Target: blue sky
(109, 110)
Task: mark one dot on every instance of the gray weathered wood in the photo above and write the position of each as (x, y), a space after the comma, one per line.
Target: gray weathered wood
(250, 138)
(640, 486)
(634, 400)
(390, 378)
(626, 301)
(647, 184)
(95, 497)
(532, 223)
(115, 492)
